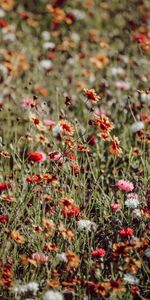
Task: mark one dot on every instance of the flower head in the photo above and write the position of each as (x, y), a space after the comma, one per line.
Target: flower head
(37, 156)
(124, 185)
(98, 252)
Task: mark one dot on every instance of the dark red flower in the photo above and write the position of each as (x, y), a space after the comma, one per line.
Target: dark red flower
(98, 252)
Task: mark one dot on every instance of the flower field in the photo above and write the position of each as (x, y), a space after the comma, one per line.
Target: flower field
(74, 149)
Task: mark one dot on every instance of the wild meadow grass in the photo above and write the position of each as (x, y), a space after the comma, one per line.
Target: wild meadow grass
(74, 149)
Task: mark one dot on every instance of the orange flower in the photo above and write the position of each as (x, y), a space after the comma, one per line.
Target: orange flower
(114, 147)
(99, 60)
(17, 237)
(104, 136)
(53, 283)
(73, 259)
(7, 4)
(91, 95)
(66, 233)
(104, 124)
(67, 127)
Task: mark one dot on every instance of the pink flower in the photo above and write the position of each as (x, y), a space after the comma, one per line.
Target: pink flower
(37, 156)
(40, 258)
(55, 156)
(115, 207)
(49, 123)
(122, 85)
(98, 252)
(124, 185)
(126, 232)
(27, 102)
(132, 196)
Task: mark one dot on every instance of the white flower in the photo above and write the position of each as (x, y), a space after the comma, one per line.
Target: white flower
(33, 287)
(2, 13)
(86, 225)
(46, 64)
(75, 37)
(79, 14)
(62, 257)
(56, 130)
(132, 203)
(10, 36)
(131, 279)
(51, 295)
(136, 213)
(137, 126)
(147, 253)
(48, 45)
(117, 71)
(46, 35)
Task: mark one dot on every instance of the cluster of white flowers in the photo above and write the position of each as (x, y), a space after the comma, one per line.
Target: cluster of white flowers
(62, 257)
(137, 126)
(52, 295)
(31, 287)
(132, 200)
(86, 225)
(131, 279)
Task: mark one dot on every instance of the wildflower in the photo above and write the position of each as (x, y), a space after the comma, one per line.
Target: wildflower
(114, 148)
(132, 203)
(3, 219)
(136, 213)
(131, 279)
(137, 126)
(27, 102)
(62, 257)
(126, 232)
(37, 156)
(17, 237)
(40, 258)
(46, 35)
(98, 253)
(3, 186)
(34, 178)
(73, 259)
(124, 185)
(67, 127)
(99, 60)
(71, 211)
(91, 95)
(104, 124)
(49, 123)
(46, 64)
(66, 233)
(115, 207)
(55, 157)
(53, 295)
(86, 225)
(140, 37)
(122, 85)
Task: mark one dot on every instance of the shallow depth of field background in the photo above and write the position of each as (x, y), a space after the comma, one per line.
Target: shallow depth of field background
(74, 149)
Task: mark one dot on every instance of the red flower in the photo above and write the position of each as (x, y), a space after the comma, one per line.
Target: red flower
(3, 186)
(115, 207)
(71, 211)
(140, 37)
(98, 253)
(3, 23)
(36, 156)
(3, 219)
(34, 178)
(126, 232)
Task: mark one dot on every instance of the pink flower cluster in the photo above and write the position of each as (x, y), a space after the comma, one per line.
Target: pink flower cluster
(124, 185)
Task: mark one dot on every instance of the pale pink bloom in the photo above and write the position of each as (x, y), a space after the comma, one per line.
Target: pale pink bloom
(49, 123)
(122, 85)
(55, 156)
(132, 196)
(40, 257)
(115, 207)
(98, 112)
(124, 185)
(27, 102)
